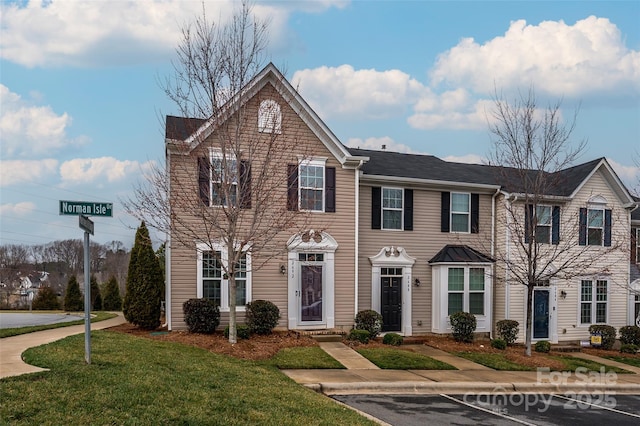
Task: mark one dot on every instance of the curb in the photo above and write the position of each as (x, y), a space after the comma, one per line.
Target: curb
(426, 388)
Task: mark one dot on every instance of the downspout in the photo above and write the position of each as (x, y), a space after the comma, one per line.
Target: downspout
(493, 245)
(357, 236)
(167, 256)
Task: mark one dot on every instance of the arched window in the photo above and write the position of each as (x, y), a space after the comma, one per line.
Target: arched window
(269, 117)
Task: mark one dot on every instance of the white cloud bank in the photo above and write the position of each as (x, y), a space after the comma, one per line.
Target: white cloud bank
(25, 171)
(19, 209)
(101, 170)
(31, 130)
(376, 144)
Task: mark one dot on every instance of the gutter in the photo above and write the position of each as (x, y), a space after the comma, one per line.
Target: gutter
(357, 236)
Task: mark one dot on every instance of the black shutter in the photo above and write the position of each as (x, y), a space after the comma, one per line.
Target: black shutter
(445, 212)
(555, 225)
(330, 190)
(204, 179)
(245, 184)
(528, 225)
(582, 236)
(607, 228)
(376, 207)
(475, 213)
(408, 209)
(292, 187)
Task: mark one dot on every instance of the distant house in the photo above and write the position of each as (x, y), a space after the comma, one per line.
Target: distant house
(413, 237)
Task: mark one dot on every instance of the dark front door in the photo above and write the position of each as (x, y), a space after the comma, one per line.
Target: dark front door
(391, 303)
(540, 314)
(311, 293)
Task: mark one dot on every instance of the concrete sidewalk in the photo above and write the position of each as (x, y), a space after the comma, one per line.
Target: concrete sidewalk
(11, 348)
(469, 377)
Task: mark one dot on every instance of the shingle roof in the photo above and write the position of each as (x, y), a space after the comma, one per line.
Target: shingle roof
(460, 254)
(180, 128)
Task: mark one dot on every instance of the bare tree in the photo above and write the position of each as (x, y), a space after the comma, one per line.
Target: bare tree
(228, 186)
(533, 150)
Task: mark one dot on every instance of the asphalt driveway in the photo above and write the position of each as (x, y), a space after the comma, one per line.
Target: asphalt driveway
(24, 319)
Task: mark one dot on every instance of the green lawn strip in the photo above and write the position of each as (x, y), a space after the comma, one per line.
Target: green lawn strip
(141, 381)
(635, 362)
(98, 316)
(495, 361)
(398, 359)
(572, 363)
(307, 357)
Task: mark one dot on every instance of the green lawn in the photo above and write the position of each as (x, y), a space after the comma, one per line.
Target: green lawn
(398, 359)
(308, 357)
(635, 361)
(571, 363)
(98, 316)
(134, 381)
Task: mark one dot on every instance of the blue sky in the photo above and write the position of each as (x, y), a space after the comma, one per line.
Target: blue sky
(81, 110)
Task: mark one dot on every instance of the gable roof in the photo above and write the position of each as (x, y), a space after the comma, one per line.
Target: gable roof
(188, 132)
(453, 253)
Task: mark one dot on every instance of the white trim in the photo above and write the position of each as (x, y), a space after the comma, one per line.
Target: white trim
(382, 208)
(553, 312)
(313, 162)
(394, 257)
(272, 123)
(594, 286)
(451, 212)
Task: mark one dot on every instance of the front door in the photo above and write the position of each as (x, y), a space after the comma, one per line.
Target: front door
(540, 313)
(311, 293)
(391, 305)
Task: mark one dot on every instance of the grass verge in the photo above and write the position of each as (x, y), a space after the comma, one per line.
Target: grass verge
(98, 316)
(572, 363)
(309, 357)
(398, 359)
(141, 381)
(635, 362)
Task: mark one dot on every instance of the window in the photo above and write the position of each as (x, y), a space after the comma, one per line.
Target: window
(391, 208)
(224, 179)
(312, 186)
(636, 309)
(638, 245)
(460, 212)
(213, 283)
(269, 117)
(466, 290)
(593, 302)
(543, 224)
(595, 227)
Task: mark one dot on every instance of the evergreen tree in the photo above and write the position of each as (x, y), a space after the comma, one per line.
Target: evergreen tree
(144, 283)
(96, 297)
(72, 297)
(46, 299)
(112, 298)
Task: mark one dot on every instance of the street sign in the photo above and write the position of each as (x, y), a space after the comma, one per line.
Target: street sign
(87, 208)
(86, 224)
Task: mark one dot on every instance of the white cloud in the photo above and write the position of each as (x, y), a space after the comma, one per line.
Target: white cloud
(94, 33)
(14, 172)
(99, 170)
(630, 175)
(559, 59)
(377, 143)
(468, 159)
(370, 94)
(19, 209)
(451, 110)
(31, 130)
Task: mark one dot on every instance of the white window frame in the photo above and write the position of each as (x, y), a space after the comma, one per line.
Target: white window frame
(593, 301)
(601, 228)
(466, 290)
(314, 162)
(401, 209)
(468, 212)
(224, 286)
(549, 225)
(638, 245)
(216, 155)
(269, 117)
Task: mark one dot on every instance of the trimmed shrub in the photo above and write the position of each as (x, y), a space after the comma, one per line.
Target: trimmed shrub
(45, 299)
(393, 339)
(608, 334)
(96, 297)
(508, 330)
(499, 344)
(112, 299)
(463, 325)
(630, 335)
(242, 331)
(72, 296)
(369, 320)
(543, 346)
(262, 316)
(201, 315)
(362, 336)
(629, 348)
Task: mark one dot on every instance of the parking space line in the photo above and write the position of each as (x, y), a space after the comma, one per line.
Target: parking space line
(487, 411)
(601, 407)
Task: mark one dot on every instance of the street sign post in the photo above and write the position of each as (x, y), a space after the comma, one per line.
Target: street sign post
(86, 208)
(83, 209)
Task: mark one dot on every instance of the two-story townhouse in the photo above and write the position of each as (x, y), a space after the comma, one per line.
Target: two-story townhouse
(634, 267)
(307, 272)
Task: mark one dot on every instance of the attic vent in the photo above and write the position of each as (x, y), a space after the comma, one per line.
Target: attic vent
(384, 147)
